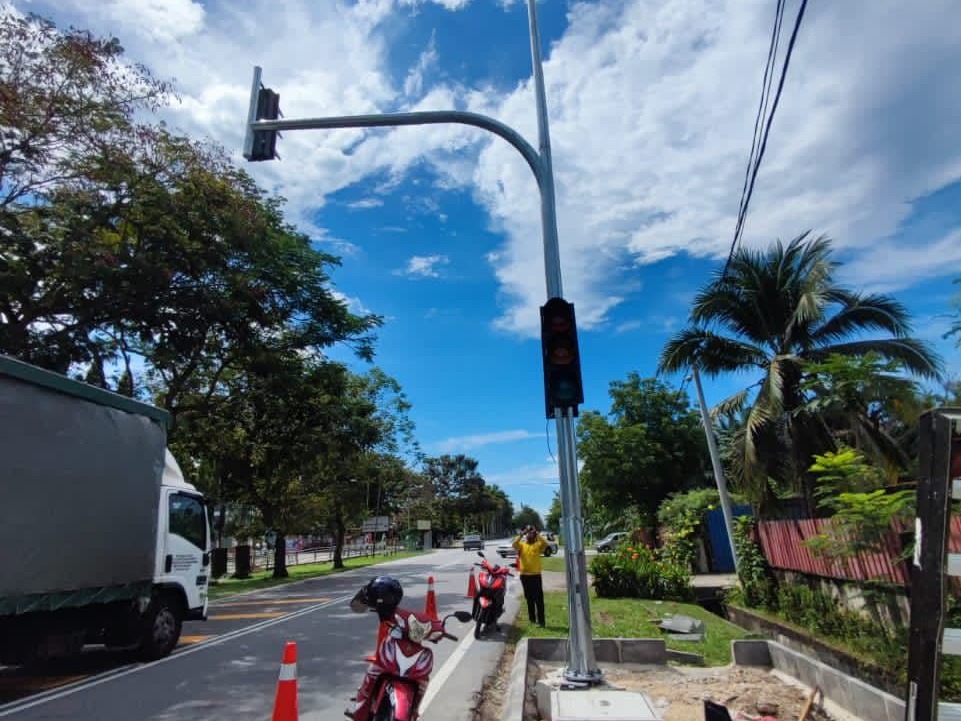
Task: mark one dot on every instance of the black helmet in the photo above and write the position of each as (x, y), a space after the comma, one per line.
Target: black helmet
(382, 594)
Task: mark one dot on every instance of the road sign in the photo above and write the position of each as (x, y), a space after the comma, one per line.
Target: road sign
(376, 524)
(423, 525)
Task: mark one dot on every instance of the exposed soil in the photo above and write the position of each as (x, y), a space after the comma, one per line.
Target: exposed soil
(677, 693)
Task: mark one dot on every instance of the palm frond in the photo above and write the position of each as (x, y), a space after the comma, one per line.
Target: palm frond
(917, 356)
(860, 313)
(712, 353)
(730, 406)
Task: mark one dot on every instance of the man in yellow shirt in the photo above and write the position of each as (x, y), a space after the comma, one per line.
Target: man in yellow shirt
(530, 545)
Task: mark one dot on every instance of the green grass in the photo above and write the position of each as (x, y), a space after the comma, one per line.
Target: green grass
(636, 618)
(553, 564)
(261, 580)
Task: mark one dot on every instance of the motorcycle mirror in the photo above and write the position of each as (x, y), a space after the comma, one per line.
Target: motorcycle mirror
(514, 565)
(481, 554)
(463, 616)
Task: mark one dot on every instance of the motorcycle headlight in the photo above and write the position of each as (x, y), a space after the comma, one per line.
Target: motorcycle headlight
(417, 631)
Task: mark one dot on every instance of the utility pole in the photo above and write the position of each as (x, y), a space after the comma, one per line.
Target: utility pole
(264, 121)
(716, 464)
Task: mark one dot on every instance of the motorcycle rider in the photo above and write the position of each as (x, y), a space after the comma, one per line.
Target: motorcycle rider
(382, 594)
(530, 546)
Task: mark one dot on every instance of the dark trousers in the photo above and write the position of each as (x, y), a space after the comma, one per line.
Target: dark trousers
(534, 593)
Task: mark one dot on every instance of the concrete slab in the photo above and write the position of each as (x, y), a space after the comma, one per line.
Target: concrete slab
(601, 706)
(682, 624)
(751, 652)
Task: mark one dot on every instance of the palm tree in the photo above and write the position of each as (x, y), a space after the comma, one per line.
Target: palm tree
(774, 311)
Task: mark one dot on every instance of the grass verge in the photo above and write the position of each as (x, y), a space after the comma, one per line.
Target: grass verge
(260, 580)
(635, 618)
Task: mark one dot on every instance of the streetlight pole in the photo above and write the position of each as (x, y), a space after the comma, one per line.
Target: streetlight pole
(581, 663)
(718, 468)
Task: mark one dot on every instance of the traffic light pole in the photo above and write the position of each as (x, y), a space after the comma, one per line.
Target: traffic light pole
(581, 664)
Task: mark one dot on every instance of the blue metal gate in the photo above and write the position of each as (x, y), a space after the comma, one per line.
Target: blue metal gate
(721, 559)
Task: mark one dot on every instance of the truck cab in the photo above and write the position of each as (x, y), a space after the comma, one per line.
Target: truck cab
(183, 542)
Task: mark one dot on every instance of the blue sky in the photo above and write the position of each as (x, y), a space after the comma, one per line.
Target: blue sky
(651, 107)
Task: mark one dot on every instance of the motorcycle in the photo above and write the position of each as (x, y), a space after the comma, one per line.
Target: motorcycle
(397, 679)
(489, 599)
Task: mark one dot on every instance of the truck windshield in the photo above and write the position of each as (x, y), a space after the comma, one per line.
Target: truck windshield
(187, 519)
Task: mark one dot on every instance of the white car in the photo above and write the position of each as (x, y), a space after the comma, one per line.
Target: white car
(506, 550)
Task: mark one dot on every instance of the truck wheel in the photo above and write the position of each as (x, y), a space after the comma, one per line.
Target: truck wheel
(161, 627)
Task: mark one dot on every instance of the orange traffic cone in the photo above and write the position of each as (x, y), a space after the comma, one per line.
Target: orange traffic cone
(285, 704)
(430, 609)
(381, 635)
(471, 585)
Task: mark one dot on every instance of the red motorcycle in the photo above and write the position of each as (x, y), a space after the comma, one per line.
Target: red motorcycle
(397, 678)
(489, 599)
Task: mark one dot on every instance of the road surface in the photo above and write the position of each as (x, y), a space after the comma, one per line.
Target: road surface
(226, 668)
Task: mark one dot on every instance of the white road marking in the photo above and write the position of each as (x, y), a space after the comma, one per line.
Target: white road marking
(15, 706)
(450, 665)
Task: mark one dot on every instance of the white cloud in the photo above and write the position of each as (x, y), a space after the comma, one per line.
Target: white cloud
(365, 204)
(466, 443)
(354, 304)
(652, 107)
(533, 474)
(888, 267)
(423, 266)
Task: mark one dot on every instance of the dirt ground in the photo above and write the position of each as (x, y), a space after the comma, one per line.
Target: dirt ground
(677, 693)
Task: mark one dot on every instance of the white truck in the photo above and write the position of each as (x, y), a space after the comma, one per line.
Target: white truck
(102, 541)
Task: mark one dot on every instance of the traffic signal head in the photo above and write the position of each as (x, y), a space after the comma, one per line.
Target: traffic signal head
(265, 141)
(562, 362)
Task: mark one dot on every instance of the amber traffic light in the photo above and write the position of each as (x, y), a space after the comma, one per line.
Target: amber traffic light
(562, 363)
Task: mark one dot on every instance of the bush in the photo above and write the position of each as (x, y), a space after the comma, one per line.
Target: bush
(758, 587)
(638, 573)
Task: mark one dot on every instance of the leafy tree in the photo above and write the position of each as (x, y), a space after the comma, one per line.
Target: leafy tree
(554, 515)
(458, 490)
(770, 313)
(527, 516)
(855, 396)
(851, 490)
(649, 446)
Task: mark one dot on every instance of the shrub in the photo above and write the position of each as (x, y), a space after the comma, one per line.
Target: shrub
(758, 586)
(638, 573)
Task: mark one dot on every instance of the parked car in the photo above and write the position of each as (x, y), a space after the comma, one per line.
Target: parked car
(610, 541)
(474, 542)
(506, 550)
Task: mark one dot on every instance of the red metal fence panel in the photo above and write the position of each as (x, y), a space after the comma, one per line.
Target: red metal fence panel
(783, 543)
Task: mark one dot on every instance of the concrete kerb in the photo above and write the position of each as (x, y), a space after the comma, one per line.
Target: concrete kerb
(853, 696)
(841, 692)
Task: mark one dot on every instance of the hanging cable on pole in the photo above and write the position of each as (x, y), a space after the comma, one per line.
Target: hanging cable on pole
(753, 170)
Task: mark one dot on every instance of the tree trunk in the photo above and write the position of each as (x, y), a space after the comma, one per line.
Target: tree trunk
(280, 556)
(340, 531)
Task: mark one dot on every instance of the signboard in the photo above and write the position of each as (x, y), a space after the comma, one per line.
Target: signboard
(423, 525)
(376, 524)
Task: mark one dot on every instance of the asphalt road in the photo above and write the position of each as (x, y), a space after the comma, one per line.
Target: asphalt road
(226, 668)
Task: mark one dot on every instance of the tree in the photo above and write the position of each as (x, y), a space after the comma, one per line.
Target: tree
(650, 445)
(771, 312)
(527, 516)
(273, 421)
(67, 107)
(554, 515)
(855, 396)
(458, 490)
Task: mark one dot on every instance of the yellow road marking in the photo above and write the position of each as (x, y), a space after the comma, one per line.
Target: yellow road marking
(233, 616)
(277, 601)
(194, 639)
(33, 684)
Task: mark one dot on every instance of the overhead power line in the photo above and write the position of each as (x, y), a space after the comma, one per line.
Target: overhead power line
(754, 163)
